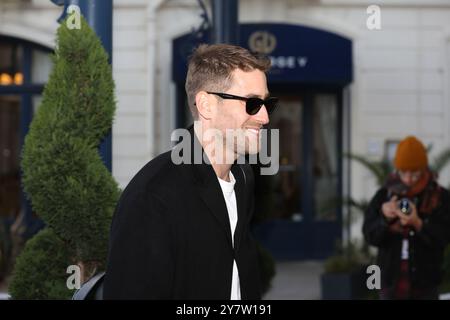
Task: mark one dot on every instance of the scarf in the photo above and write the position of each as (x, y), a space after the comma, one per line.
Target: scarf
(426, 188)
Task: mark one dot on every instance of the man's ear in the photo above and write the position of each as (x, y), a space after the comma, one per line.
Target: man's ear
(203, 103)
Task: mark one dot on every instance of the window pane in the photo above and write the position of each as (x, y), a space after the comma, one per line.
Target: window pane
(41, 67)
(325, 169)
(279, 195)
(10, 63)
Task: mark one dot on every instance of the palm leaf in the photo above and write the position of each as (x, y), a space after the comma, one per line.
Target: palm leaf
(361, 205)
(380, 169)
(333, 203)
(441, 160)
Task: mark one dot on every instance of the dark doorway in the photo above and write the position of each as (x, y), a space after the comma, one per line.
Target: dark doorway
(297, 210)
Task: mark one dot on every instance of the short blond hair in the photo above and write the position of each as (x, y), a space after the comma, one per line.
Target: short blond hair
(210, 68)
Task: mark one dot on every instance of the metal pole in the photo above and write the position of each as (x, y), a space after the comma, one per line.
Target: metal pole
(225, 28)
(98, 14)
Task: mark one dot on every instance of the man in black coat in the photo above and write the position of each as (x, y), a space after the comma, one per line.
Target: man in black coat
(181, 228)
(409, 221)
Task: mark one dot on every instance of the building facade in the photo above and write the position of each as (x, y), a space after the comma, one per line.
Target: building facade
(343, 88)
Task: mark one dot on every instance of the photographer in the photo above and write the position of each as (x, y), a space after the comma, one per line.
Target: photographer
(408, 219)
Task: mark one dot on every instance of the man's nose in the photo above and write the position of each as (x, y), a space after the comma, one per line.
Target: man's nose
(262, 116)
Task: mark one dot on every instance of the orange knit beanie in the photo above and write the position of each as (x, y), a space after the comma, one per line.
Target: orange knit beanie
(411, 155)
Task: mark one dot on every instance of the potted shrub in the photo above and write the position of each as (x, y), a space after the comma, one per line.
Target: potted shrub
(345, 274)
(445, 285)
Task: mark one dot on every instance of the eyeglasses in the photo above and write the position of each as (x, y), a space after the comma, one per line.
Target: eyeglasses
(252, 104)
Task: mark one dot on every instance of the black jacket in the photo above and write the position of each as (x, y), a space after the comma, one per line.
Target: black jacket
(171, 236)
(426, 247)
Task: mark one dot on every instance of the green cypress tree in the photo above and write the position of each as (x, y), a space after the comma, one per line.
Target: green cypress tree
(40, 270)
(63, 175)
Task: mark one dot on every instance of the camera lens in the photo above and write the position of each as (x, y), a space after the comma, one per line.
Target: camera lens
(404, 206)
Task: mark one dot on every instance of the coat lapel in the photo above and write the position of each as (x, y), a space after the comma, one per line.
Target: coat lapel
(207, 186)
(241, 200)
(211, 194)
(209, 190)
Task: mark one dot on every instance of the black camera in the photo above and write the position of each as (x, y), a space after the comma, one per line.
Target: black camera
(404, 207)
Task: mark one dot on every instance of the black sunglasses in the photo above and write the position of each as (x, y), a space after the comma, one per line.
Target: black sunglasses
(252, 104)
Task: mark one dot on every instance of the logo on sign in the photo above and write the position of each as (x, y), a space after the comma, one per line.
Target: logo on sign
(262, 41)
(265, 42)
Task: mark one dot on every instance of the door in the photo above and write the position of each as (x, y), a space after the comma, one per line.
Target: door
(9, 156)
(297, 212)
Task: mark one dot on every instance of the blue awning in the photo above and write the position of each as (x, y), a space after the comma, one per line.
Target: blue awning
(299, 54)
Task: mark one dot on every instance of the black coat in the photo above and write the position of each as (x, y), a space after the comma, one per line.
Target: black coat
(171, 236)
(426, 247)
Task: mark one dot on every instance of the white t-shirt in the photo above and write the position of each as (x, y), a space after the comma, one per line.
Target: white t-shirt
(230, 200)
